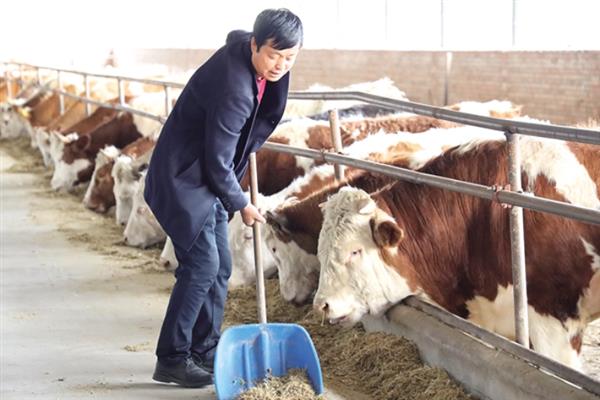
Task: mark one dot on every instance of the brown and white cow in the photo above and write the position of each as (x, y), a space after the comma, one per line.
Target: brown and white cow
(76, 163)
(100, 196)
(454, 250)
(316, 135)
(302, 108)
(84, 126)
(293, 231)
(6, 87)
(126, 174)
(240, 236)
(27, 117)
(142, 229)
(13, 113)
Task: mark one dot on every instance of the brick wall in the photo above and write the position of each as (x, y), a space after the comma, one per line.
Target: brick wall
(561, 86)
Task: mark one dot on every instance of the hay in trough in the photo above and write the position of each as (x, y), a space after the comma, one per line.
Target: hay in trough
(379, 365)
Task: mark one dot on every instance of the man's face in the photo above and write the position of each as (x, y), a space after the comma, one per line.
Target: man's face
(270, 63)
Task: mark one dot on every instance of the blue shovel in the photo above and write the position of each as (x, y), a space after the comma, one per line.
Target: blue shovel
(247, 354)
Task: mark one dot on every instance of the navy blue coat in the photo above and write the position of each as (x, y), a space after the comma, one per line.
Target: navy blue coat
(202, 152)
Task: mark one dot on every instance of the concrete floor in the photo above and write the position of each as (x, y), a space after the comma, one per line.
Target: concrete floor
(72, 325)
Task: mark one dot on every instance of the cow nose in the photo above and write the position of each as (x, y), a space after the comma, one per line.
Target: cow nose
(322, 307)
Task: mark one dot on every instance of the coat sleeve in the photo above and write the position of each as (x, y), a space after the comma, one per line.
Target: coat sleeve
(224, 124)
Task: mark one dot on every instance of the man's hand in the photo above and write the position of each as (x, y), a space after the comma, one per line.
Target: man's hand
(250, 215)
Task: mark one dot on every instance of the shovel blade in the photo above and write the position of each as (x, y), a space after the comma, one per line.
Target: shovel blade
(247, 354)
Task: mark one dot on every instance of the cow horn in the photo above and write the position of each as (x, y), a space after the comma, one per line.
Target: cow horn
(366, 206)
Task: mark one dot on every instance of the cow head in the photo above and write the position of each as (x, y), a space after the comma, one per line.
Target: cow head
(12, 123)
(298, 267)
(142, 229)
(355, 245)
(241, 245)
(99, 195)
(168, 259)
(126, 176)
(72, 166)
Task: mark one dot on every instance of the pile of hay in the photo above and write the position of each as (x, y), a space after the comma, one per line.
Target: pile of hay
(294, 386)
(378, 365)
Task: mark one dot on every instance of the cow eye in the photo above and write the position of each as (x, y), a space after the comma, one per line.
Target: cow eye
(353, 255)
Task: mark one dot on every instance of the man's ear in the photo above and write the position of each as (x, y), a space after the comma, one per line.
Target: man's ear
(386, 233)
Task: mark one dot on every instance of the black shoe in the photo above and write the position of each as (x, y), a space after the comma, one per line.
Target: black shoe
(207, 364)
(185, 373)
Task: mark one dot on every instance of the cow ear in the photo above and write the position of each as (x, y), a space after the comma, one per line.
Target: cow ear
(83, 142)
(386, 233)
(278, 222)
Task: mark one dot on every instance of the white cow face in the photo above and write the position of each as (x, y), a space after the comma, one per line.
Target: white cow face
(241, 245)
(298, 270)
(44, 144)
(13, 124)
(124, 188)
(355, 279)
(62, 148)
(142, 228)
(168, 259)
(127, 180)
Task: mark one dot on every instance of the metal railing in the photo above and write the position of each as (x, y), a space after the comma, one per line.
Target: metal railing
(511, 128)
(122, 106)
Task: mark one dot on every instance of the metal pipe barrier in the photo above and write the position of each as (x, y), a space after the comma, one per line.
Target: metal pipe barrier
(498, 124)
(98, 75)
(114, 106)
(583, 214)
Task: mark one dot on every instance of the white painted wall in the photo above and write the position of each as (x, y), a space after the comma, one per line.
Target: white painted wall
(53, 31)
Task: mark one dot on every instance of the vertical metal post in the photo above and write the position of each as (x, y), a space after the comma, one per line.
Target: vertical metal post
(21, 81)
(260, 278)
(441, 24)
(167, 100)
(517, 244)
(9, 92)
(336, 139)
(514, 23)
(88, 106)
(61, 98)
(447, 76)
(121, 92)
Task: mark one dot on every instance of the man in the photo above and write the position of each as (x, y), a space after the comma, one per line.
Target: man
(227, 110)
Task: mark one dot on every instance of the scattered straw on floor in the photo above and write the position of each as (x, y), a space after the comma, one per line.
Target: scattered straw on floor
(28, 159)
(375, 365)
(379, 365)
(98, 232)
(294, 386)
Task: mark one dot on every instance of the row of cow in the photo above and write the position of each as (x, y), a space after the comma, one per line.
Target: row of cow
(368, 241)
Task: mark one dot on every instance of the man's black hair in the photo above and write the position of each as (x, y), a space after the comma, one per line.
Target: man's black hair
(280, 25)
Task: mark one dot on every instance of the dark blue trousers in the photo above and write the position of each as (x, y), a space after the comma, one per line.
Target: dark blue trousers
(195, 312)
